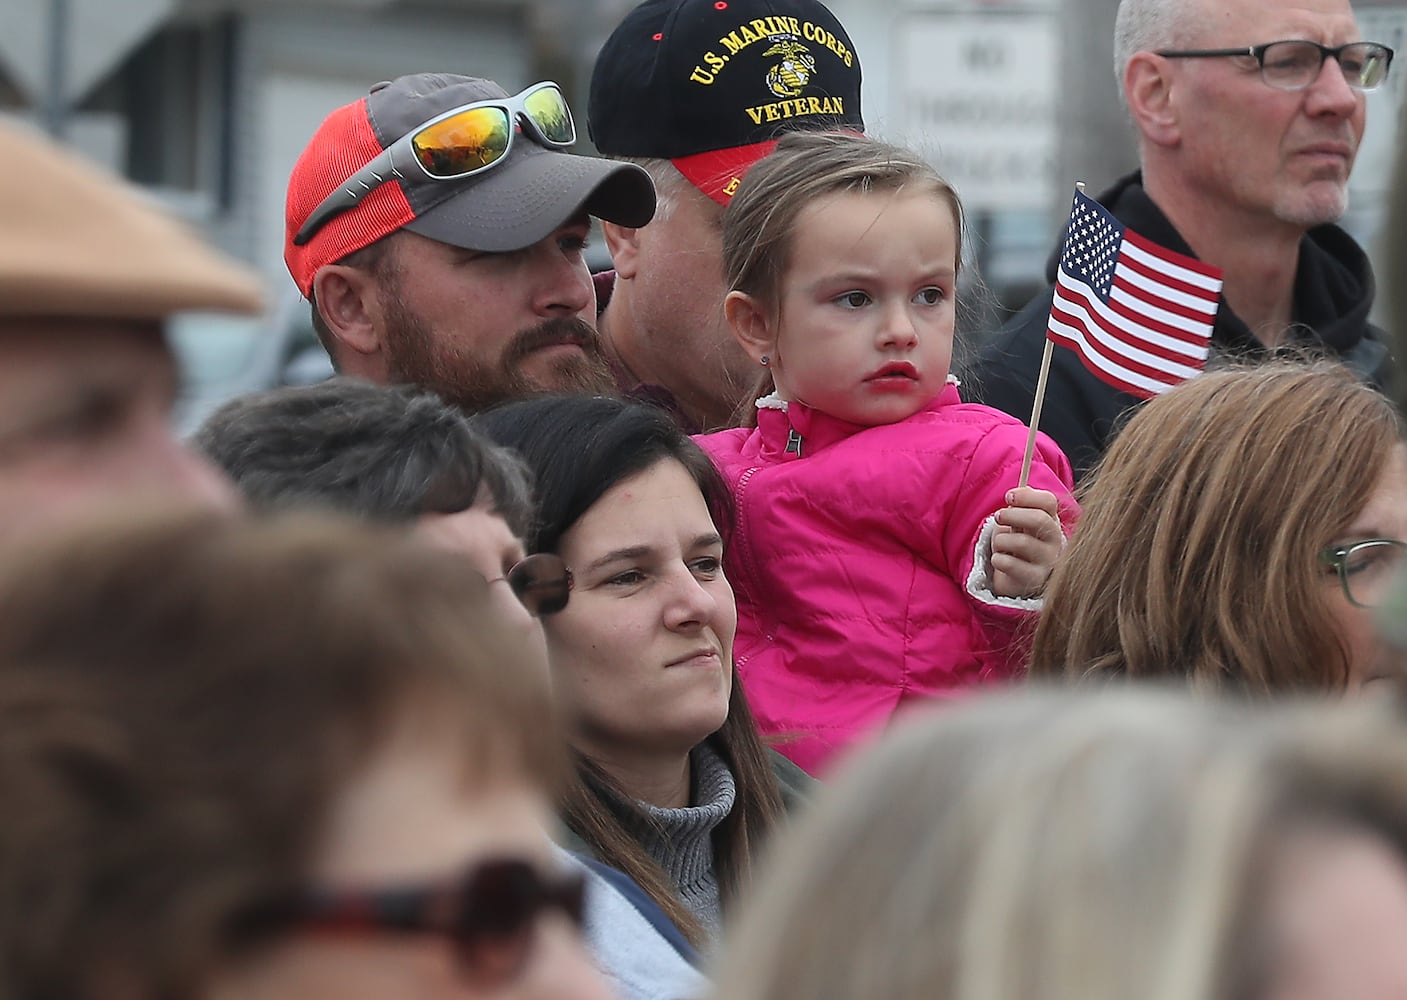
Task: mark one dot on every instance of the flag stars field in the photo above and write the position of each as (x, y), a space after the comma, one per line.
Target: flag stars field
(1139, 315)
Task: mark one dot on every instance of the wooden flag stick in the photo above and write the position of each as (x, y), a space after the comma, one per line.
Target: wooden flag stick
(1036, 413)
(1040, 397)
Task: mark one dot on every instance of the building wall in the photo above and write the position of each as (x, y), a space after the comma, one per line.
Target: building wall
(214, 133)
(1015, 99)
(300, 64)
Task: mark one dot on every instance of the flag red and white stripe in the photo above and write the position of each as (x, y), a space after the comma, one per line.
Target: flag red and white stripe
(1139, 315)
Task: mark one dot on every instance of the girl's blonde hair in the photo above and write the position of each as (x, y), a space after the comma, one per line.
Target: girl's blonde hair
(760, 222)
(1050, 845)
(1195, 555)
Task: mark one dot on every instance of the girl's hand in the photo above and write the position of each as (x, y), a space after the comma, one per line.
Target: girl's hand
(1026, 543)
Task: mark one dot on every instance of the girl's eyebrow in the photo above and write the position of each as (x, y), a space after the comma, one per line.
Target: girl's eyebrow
(835, 277)
(840, 277)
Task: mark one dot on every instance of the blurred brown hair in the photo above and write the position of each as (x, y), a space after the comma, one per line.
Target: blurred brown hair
(1195, 553)
(181, 699)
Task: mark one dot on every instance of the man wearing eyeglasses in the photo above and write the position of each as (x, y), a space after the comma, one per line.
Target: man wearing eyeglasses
(437, 227)
(1249, 114)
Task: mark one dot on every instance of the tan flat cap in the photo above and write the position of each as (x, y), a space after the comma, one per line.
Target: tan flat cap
(77, 243)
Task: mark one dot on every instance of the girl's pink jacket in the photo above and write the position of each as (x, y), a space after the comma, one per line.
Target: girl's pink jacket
(859, 563)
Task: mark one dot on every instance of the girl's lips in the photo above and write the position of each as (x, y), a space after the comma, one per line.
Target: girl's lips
(895, 369)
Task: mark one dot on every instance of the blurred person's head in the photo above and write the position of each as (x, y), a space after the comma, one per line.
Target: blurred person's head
(88, 275)
(1227, 538)
(437, 227)
(1062, 846)
(286, 758)
(642, 656)
(697, 92)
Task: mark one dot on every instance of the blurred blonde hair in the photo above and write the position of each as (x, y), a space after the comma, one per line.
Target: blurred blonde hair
(1195, 555)
(759, 224)
(1059, 846)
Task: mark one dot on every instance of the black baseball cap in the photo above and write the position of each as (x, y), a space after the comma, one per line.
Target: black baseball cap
(710, 84)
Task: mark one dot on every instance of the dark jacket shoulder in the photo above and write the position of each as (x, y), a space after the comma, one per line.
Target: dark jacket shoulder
(796, 785)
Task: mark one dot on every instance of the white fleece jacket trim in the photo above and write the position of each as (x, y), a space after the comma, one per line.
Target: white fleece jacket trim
(979, 581)
(772, 401)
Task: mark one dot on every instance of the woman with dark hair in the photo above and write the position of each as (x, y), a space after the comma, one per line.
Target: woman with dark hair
(676, 788)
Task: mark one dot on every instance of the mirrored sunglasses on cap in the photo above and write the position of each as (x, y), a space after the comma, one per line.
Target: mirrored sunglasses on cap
(542, 582)
(463, 141)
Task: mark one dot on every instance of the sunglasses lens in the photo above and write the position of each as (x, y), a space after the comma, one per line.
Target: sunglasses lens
(542, 582)
(502, 905)
(463, 143)
(549, 112)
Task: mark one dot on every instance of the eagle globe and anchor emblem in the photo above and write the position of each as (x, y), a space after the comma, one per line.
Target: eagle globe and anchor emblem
(794, 71)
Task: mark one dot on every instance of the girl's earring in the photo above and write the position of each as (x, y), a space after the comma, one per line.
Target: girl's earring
(765, 360)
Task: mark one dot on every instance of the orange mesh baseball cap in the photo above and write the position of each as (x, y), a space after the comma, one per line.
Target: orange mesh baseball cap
(514, 205)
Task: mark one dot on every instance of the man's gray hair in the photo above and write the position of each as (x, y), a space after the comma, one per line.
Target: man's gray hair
(385, 453)
(1149, 25)
(670, 184)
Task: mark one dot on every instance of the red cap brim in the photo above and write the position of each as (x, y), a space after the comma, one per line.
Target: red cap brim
(718, 172)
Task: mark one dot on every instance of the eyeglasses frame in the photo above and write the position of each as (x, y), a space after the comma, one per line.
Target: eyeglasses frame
(1257, 52)
(1337, 557)
(393, 161)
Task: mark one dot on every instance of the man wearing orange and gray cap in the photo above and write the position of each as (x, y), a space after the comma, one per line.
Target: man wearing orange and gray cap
(437, 227)
(696, 91)
(88, 275)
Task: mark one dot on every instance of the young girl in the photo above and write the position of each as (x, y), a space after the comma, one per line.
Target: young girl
(883, 551)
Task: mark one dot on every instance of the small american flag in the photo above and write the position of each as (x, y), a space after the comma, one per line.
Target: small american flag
(1139, 316)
